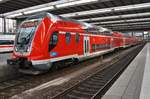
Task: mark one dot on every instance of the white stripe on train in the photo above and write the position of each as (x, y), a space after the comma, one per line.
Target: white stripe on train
(80, 57)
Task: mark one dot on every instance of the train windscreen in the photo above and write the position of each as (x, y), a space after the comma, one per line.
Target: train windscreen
(27, 30)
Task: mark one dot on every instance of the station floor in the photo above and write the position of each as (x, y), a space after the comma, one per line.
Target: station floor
(6, 71)
(134, 83)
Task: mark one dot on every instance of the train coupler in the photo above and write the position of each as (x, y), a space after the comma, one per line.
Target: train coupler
(12, 61)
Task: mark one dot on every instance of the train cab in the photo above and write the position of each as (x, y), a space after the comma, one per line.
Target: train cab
(46, 38)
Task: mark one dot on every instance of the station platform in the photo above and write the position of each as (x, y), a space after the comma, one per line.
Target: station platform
(6, 71)
(134, 83)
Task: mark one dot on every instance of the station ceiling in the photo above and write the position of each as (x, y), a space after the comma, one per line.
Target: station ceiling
(113, 14)
(12, 5)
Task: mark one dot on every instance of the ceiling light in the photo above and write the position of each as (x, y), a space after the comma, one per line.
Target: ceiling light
(75, 3)
(139, 23)
(39, 10)
(14, 15)
(117, 17)
(108, 10)
(121, 21)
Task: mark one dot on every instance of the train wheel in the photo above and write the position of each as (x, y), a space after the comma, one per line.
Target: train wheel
(54, 67)
(75, 61)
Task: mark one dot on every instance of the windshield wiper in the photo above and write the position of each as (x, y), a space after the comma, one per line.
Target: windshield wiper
(29, 35)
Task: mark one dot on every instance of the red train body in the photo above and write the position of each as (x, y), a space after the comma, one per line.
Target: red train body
(46, 39)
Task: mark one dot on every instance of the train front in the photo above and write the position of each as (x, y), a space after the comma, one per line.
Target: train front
(31, 44)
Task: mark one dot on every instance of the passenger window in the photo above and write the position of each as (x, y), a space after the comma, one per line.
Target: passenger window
(68, 38)
(77, 37)
(53, 40)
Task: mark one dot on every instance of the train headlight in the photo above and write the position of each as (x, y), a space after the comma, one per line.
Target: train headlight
(28, 49)
(16, 49)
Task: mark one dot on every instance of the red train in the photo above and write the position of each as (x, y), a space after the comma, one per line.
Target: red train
(45, 39)
(123, 40)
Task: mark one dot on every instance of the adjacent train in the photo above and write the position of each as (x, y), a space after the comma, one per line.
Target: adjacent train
(6, 43)
(46, 39)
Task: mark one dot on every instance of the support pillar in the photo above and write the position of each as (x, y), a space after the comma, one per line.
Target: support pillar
(132, 33)
(4, 26)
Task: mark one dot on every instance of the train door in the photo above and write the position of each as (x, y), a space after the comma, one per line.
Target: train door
(112, 42)
(86, 45)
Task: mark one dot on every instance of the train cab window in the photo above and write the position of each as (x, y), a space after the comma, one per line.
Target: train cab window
(77, 37)
(68, 37)
(53, 40)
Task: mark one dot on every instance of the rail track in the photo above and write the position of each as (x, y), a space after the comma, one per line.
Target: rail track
(4, 85)
(95, 86)
(20, 79)
(14, 86)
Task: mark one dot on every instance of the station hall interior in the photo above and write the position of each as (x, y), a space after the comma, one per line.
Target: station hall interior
(74, 49)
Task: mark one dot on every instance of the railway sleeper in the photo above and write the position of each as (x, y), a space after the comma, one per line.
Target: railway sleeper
(84, 91)
(81, 93)
(86, 88)
(71, 96)
(95, 83)
(87, 85)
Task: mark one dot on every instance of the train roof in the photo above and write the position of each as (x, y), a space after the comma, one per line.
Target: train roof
(88, 27)
(116, 33)
(85, 26)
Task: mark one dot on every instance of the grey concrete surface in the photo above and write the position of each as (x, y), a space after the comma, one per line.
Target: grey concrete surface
(6, 71)
(129, 84)
(145, 91)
